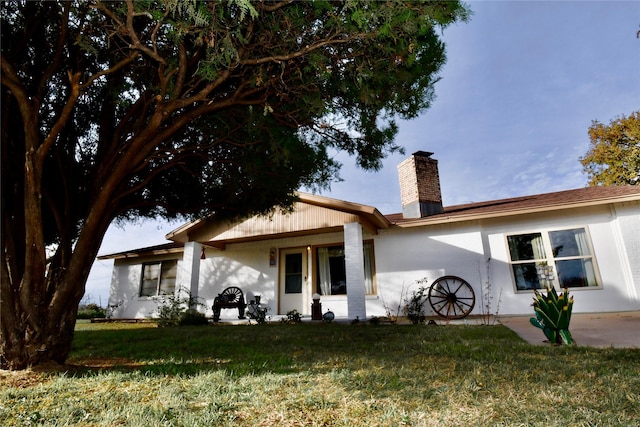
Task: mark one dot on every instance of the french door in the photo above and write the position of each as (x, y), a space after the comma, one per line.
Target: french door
(294, 281)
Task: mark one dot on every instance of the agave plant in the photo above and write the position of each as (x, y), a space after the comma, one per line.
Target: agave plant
(553, 314)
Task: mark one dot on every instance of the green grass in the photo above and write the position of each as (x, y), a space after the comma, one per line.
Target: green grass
(326, 375)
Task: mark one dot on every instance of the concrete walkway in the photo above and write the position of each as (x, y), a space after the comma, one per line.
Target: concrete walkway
(620, 330)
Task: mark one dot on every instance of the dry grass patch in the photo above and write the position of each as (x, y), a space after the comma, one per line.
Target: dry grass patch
(325, 375)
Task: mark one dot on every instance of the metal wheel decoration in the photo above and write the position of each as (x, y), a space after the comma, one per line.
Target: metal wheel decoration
(232, 294)
(451, 297)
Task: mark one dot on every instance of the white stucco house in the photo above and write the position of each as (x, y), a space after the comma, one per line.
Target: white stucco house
(361, 262)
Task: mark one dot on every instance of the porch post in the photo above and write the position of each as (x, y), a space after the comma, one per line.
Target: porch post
(354, 263)
(190, 276)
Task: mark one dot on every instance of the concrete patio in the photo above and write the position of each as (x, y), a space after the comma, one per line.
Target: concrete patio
(619, 330)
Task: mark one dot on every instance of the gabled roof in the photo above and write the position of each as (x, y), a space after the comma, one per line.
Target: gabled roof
(317, 214)
(312, 214)
(582, 197)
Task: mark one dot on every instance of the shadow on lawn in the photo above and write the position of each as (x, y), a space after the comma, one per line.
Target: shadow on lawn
(282, 349)
(247, 350)
(367, 354)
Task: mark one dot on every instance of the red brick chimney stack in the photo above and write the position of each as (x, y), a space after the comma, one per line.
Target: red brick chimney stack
(420, 186)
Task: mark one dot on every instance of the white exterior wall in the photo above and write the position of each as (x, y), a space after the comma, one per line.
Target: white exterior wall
(613, 264)
(124, 296)
(404, 257)
(475, 251)
(243, 265)
(478, 253)
(627, 226)
(246, 265)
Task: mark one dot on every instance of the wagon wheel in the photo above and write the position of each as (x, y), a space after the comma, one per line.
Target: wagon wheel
(232, 294)
(451, 297)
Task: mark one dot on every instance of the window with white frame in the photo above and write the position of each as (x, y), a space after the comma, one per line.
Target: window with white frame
(158, 278)
(331, 276)
(560, 258)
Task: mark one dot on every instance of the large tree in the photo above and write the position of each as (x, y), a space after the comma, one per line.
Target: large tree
(115, 111)
(614, 155)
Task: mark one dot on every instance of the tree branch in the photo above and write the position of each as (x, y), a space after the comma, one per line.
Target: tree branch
(132, 55)
(10, 79)
(74, 80)
(272, 7)
(55, 63)
(182, 70)
(137, 44)
(306, 50)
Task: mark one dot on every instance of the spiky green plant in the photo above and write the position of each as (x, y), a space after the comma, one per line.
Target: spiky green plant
(553, 314)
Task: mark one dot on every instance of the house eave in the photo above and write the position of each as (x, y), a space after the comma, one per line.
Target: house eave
(222, 244)
(455, 218)
(371, 219)
(170, 248)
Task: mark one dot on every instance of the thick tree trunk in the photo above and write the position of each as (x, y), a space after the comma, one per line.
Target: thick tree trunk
(24, 342)
(40, 329)
(38, 305)
(23, 347)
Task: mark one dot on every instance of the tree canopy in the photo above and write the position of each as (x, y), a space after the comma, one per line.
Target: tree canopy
(614, 155)
(117, 110)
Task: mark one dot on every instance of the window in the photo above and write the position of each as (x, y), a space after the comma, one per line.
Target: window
(293, 274)
(331, 275)
(158, 278)
(560, 258)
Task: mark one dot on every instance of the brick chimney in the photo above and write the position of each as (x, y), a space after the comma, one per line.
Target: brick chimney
(420, 186)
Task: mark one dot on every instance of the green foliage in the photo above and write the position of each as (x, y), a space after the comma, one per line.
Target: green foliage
(553, 314)
(117, 111)
(179, 309)
(414, 304)
(333, 75)
(614, 155)
(91, 311)
(192, 317)
(293, 317)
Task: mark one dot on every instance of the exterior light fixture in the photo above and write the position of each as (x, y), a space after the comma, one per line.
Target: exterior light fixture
(316, 307)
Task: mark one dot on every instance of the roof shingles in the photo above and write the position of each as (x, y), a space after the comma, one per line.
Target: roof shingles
(533, 203)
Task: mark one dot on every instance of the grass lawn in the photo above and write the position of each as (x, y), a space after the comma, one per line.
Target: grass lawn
(323, 375)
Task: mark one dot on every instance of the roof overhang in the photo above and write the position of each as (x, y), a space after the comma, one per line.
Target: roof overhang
(479, 214)
(167, 248)
(311, 215)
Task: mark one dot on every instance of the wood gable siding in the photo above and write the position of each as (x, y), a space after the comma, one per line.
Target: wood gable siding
(305, 219)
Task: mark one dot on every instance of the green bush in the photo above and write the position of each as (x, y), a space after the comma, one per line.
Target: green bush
(192, 317)
(177, 310)
(293, 316)
(414, 306)
(91, 311)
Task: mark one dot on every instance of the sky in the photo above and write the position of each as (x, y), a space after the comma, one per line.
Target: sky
(522, 84)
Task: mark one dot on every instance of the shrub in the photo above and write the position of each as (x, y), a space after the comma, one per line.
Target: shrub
(91, 311)
(192, 317)
(414, 307)
(179, 310)
(293, 316)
